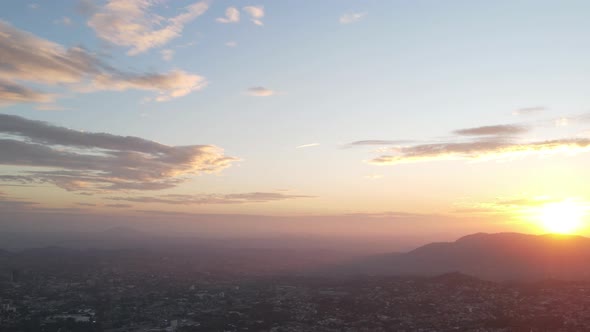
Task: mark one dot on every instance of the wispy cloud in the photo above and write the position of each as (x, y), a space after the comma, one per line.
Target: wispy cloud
(27, 58)
(167, 54)
(243, 198)
(11, 93)
(480, 149)
(232, 15)
(496, 130)
(375, 142)
(86, 204)
(307, 145)
(529, 110)
(130, 23)
(116, 206)
(562, 122)
(516, 206)
(349, 18)
(259, 91)
(119, 206)
(389, 215)
(174, 84)
(81, 161)
(9, 203)
(256, 14)
(231, 44)
(486, 142)
(64, 21)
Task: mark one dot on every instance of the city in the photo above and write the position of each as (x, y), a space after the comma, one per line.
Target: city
(136, 296)
(294, 166)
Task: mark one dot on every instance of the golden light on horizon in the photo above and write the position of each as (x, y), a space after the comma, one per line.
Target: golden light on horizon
(565, 217)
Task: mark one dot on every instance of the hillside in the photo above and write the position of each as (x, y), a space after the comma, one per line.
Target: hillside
(503, 256)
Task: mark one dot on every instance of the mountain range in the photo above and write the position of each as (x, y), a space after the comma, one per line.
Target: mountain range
(501, 256)
(497, 257)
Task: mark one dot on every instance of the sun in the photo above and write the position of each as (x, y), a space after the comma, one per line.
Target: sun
(563, 217)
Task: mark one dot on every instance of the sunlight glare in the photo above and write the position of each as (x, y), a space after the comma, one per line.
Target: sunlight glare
(562, 217)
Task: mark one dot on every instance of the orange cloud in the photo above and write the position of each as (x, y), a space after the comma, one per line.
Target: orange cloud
(25, 58)
(129, 23)
(254, 197)
(259, 91)
(481, 149)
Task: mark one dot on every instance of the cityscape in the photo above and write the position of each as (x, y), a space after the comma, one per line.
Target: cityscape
(137, 297)
(294, 166)
(197, 287)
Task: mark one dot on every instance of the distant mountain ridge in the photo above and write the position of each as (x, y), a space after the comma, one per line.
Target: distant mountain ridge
(497, 257)
(132, 238)
(501, 256)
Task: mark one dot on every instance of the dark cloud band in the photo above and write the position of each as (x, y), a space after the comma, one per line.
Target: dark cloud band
(76, 160)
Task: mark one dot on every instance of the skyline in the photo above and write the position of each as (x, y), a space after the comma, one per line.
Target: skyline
(334, 118)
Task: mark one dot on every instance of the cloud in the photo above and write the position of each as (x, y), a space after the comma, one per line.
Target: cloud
(33, 6)
(478, 143)
(562, 122)
(529, 110)
(167, 54)
(578, 119)
(388, 215)
(231, 44)
(174, 84)
(86, 204)
(523, 201)
(81, 161)
(497, 130)
(352, 17)
(11, 93)
(64, 21)
(504, 206)
(516, 206)
(254, 197)
(129, 23)
(259, 91)
(9, 203)
(232, 15)
(377, 142)
(18, 179)
(307, 145)
(15, 204)
(256, 14)
(119, 206)
(27, 58)
(86, 7)
(479, 149)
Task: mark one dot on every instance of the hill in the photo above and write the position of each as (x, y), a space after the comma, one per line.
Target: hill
(502, 256)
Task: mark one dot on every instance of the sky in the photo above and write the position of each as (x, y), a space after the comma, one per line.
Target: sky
(334, 117)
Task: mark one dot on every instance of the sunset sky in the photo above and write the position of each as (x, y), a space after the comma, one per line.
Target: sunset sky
(332, 117)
